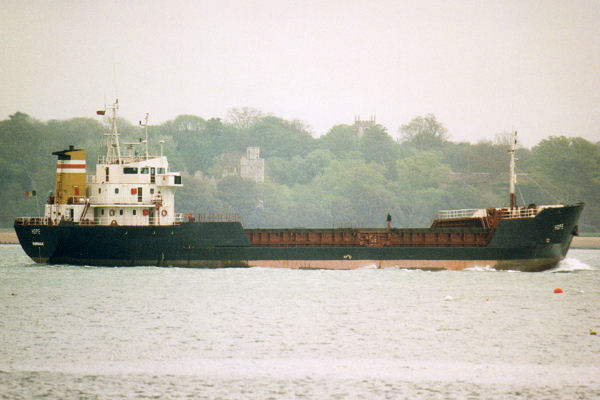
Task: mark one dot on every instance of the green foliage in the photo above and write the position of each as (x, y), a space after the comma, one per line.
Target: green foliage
(568, 168)
(340, 140)
(338, 179)
(279, 138)
(299, 170)
(424, 132)
(22, 138)
(421, 171)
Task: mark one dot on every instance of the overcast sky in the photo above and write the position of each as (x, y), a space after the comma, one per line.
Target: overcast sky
(481, 67)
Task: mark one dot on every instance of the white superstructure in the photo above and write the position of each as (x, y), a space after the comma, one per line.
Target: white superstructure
(127, 188)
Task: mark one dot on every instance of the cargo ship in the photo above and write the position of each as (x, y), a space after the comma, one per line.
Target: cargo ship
(124, 215)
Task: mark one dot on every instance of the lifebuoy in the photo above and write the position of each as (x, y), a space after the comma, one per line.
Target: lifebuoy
(113, 222)
(111, 213)
(163, 213)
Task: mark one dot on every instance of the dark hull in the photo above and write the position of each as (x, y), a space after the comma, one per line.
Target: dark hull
(526, 244)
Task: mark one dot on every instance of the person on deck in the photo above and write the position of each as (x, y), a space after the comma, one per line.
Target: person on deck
(389, 220)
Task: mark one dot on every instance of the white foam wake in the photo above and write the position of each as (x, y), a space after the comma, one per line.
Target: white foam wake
(571, 264)
(477, 268)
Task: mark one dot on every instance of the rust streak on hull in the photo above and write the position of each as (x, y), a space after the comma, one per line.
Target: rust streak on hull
(456, 265)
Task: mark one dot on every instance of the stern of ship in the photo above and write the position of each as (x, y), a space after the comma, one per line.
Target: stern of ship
(38, 239)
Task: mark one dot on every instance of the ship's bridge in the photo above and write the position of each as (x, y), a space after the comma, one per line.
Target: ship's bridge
(134, 191)
(152, 170)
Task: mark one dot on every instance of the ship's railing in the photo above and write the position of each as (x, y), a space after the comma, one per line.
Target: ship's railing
(218, 217)
(76, 200)
(177, 219)
(168, 179)
(125, 197)
(464, 213)
(132, 221)
(504, 213)
(33, 221)
(125, 159)
(518, 213)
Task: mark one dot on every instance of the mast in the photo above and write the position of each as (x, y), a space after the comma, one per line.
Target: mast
(113, 151)
(145, 125)
(512, 177)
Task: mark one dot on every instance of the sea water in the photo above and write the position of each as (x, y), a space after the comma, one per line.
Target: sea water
(85, 332)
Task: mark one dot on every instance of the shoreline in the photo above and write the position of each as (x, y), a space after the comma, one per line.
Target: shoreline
(8, 236)
(587, 242)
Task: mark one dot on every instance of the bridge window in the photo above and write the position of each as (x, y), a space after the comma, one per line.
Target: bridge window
(145, 170)
(116, 190)
(177, 179)
(161, 170)
(130, 170)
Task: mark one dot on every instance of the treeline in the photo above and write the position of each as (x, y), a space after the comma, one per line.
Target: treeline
(338, 179)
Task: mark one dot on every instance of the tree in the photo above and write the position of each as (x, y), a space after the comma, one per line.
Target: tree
(355, 193)
(568, 169)
(340, 140)
(377, 146)
(421, 171)
(278, 138)
(424, 132)
(243, 118)
(240, 196)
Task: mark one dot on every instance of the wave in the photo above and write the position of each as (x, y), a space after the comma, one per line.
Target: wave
(485, 268)
(571, 264)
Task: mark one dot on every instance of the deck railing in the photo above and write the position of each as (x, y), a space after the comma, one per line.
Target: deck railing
(518, 213)
(177, 219)
(33, 221)
(503, 213)
(219, 217)
(453, 214)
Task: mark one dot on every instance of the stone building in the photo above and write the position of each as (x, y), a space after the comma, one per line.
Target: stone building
(361, 125)
(252, 166)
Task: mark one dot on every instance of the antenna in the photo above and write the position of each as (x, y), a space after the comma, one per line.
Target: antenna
(513, 176)
(115, 80)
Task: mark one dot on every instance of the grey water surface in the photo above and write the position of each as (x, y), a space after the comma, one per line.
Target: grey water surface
(85, 332)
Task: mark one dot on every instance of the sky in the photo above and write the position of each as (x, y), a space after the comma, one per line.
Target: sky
(481, 67)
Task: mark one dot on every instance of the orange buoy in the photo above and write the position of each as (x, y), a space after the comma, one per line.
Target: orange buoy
(558, 290)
